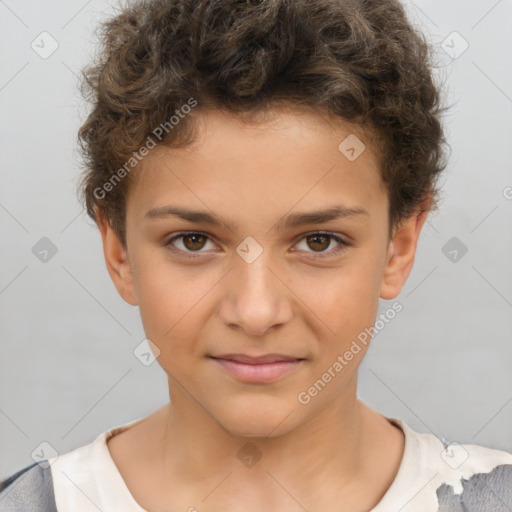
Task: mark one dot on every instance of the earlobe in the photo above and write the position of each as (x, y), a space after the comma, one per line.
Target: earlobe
(116, 260)
(401, 254)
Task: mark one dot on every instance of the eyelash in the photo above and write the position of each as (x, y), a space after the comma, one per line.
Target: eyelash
(194, 254)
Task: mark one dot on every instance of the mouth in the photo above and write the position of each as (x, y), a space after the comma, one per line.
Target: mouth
(267, 358)
(261, 369)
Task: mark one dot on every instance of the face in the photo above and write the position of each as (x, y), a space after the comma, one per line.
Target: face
(260, 239)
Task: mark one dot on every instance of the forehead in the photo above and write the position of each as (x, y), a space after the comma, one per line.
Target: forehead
(281, 160)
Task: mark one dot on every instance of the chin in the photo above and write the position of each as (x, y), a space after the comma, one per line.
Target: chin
(257, 418)
(256, 429)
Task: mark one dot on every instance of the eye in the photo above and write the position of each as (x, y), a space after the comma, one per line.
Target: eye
(190, 242)
(320, 242)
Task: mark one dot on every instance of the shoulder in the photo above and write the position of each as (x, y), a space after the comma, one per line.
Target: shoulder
(30, 488)
(40, 487)
(449, 476)
(484, 479)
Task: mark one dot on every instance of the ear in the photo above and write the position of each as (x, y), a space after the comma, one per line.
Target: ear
(402, 250)
(116, 259)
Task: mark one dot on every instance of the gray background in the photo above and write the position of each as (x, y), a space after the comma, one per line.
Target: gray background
(67, 369)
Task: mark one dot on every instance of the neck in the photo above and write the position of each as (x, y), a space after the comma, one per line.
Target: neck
(332, 444)
(180, 453)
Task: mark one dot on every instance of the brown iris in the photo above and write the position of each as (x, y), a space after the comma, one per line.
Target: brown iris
(195, 241)
(319, 245)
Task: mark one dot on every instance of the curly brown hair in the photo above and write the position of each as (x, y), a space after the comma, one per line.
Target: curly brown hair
(360, 61)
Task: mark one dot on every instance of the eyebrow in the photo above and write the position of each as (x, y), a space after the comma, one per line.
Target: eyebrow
(288, 221)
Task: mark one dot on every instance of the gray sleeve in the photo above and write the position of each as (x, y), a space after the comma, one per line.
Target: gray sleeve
(28, 490)
(483, 492)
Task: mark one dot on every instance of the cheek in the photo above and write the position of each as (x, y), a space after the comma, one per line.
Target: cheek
(171, 302)
(345, 302)
(347, 296)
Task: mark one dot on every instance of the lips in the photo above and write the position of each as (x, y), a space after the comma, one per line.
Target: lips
(264, 359)
(263, 369)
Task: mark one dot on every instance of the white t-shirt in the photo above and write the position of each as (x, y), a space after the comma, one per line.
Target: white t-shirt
(434, 476)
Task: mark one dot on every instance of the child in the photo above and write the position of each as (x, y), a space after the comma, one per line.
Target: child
(260, 172)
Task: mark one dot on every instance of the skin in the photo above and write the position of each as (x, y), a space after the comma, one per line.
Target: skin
(314, 456)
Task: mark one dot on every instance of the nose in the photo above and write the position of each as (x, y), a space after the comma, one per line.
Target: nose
(255, 299)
